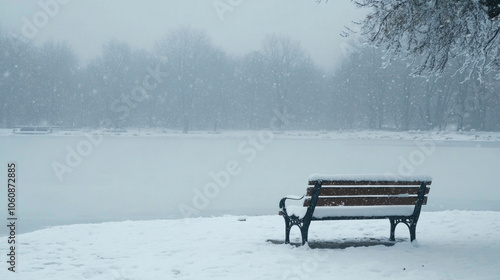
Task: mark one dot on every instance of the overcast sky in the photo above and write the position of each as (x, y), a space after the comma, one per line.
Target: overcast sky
(237, 26)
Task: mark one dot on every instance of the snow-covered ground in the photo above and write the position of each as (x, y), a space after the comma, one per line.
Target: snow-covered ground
(450, 245)
(157, 178)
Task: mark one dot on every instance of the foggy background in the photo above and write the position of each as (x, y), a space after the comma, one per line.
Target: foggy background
(118, 66)
(210, 65)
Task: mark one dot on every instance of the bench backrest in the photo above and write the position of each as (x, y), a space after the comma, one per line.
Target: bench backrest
(367, 192)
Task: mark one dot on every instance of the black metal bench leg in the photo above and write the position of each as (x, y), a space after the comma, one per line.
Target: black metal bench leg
(394, 223)
(288, 227)
(304, 230)
(413, 228)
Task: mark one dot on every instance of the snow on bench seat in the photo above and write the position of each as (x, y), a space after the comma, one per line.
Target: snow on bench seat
(321, 212)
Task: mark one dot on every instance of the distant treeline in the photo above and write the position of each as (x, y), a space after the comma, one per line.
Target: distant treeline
(187, 83)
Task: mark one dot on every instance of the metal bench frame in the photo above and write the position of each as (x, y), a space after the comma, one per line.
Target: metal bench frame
(304, 223)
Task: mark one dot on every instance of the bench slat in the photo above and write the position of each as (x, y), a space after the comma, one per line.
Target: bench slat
(364, 201)
(336, 191)
(366, 183)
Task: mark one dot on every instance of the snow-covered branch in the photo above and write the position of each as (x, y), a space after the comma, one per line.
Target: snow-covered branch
(429, 33)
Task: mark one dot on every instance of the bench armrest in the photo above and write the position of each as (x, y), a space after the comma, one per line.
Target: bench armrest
(283, 206)
(294, 197)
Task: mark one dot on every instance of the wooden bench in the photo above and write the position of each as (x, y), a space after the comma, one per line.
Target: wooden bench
(353, 197)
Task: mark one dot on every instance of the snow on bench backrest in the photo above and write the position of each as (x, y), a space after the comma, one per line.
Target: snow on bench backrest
(369, 179)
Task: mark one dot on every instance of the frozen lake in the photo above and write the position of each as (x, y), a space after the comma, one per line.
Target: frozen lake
(68, 179)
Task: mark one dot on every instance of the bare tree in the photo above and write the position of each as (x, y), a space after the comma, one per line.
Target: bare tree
(186, 53)
(253, 84)
(283, 56)
(56, 70)
(115, 63)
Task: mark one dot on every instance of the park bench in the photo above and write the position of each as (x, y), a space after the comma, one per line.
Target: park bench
(33, 130)
(355, 197)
